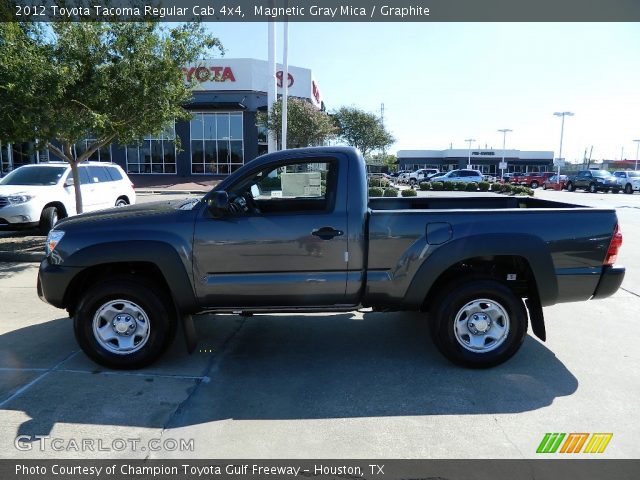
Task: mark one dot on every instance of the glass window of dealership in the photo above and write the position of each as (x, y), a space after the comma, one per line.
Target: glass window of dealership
(218, 139)
(486, 160)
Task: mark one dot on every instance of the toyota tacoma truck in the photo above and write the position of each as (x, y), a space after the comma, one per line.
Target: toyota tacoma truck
(294, 231)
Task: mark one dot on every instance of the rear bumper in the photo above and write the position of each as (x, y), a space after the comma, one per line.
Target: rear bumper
(53, 281)
(610, 281)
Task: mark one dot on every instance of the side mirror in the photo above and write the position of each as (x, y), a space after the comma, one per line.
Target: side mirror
(69, 182)
(219, 204)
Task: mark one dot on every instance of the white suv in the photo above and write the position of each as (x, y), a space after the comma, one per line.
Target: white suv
(40, 195)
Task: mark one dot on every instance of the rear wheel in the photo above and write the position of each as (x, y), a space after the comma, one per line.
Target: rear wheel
(124, 323)
(571, 187)
(412, 181)
(544, 186)
(121, 202)
(535, 184)
(478, 324)
(628, 189)
(48, 219)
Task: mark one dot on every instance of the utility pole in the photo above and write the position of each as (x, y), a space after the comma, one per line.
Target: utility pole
(504, 143)
(561, 114)
(469, 157)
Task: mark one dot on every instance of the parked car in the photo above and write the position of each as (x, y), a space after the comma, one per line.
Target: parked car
(533, 179)
(593, 181)
(555, 182)
(514, 177)
(628, 181)
(403, 177)
(422, 175)
(40, 195)
(461, 175)
(128, 277)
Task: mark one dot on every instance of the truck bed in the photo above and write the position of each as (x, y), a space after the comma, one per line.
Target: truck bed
(464, 203)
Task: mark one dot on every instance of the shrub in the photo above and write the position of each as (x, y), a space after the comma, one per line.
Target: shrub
(409, 192)
(390, 192)
(484, 186)
(375, 192)
(524, 191)
(506, 188)
(448, 186)
(495, 187)
(425, 186)
(472, 187)
(460, 186)
(378, 182)
(437, 186)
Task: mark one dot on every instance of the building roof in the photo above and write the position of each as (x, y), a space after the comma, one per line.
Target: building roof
(476, 153)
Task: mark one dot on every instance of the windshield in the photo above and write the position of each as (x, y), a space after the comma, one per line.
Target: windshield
(601, 173)
(34, 176)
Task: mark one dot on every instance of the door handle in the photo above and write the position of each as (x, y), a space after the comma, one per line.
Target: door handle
(327, 233)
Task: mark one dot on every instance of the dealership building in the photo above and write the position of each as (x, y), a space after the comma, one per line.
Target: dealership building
(486, 160)
(221, 136)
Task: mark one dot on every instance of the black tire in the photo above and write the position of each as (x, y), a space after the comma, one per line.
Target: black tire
(544, 186)
(121, 202)
(615, 190)
(452, 301)
(153, 303)
(535, 184)
(593, 188)
(628, 189)
(571, 187)
(412, 181)
(48, 219)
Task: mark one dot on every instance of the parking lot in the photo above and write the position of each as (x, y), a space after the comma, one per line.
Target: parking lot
(350, 385)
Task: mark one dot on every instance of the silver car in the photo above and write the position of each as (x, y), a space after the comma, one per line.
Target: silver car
(461, 175)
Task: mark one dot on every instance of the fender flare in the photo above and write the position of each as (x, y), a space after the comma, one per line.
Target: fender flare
(529, 247)
(173, 266)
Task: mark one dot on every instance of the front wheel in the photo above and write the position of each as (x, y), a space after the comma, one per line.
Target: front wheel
(121, 202)
(534, 184)
(593, 188)
(412, 182)
(571, 187)
(123, 323)
(48, 219)
(628, 189)
(478, 324)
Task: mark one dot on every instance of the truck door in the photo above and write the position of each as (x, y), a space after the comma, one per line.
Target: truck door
(283, 242)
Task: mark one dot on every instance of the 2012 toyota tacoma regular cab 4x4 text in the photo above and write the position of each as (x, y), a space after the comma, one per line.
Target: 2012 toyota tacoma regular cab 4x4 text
(295, 231)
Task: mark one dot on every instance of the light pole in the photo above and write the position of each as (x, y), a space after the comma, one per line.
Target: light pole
(504, 143)
(561, 114)
(469, 157)
(637, 151)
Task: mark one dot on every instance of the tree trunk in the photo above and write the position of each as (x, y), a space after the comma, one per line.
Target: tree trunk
(76, 186)
(76, 175)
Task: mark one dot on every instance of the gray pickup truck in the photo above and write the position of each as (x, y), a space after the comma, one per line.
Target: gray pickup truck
(295, 231)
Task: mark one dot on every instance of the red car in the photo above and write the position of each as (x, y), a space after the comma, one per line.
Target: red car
(554, 183)
(534, 179)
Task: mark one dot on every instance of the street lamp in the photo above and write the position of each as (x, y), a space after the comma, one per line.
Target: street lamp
(561, 114)
(637, 151)
(504, 142)
(469, 158)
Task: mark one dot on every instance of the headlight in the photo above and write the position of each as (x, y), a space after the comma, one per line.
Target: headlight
(53, 239)
(18, 199)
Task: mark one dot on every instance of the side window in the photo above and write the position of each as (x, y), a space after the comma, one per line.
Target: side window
(294, 187)
(84, 176)
(98, 174)
(114, 173)
(454, 175)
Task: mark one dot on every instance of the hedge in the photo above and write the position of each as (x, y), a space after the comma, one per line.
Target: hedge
(409, 193)
(460, 186)
(437, 186)
(425, 186)
(472, 187)
(378, 182)
(390, 192)
(375, 192)
(484, 186)
(448, 186)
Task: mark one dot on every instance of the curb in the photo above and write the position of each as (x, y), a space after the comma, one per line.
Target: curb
(21, 257)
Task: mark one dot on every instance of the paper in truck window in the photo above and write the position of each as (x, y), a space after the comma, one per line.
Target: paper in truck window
(276, 193)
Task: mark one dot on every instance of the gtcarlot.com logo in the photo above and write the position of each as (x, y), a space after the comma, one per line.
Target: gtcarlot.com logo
(47, 443)
(574, 443)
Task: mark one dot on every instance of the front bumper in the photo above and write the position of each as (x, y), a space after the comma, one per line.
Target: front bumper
(610, 281)
(23, 215)
(53, 282)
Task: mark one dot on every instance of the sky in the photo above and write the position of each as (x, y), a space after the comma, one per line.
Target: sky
(442, 83)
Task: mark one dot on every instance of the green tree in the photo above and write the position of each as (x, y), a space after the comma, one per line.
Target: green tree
(362, 130)
(115, 82)
(306, 125)
(383, 159)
